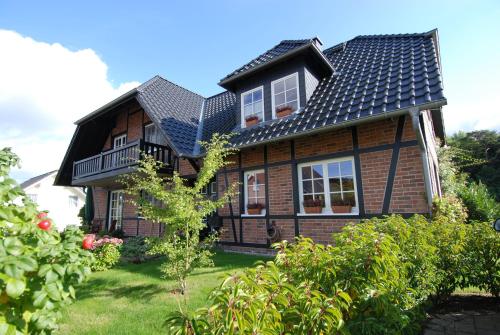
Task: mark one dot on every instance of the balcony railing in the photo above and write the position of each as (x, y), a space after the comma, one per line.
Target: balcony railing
(121, 157)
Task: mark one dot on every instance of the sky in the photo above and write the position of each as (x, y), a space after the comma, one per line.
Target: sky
(60, 60)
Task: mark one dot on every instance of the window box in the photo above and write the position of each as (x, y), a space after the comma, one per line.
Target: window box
(344, 209)
(313, 206)
(251, 120)
(254, 209)
(284, 111)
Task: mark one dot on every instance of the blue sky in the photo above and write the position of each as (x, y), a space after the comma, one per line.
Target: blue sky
(195, 44)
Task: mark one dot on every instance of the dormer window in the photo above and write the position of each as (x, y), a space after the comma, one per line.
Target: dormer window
(252, 106)
(285, 95)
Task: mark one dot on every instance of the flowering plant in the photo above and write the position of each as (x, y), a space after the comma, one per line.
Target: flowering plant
(105, 240)
(106, 251)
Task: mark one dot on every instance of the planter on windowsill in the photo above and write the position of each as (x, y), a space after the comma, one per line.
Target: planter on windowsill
(283, 111)
(254, 209)
(251, 121)
(313, 206)
(313, 209)
(342, 206)
(343, 209)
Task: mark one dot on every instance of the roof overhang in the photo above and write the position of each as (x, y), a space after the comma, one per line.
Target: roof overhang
(110, 105)
(310, 47)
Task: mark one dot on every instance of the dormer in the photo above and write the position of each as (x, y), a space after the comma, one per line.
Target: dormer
(278, 82)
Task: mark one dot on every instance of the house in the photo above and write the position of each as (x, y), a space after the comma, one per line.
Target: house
(63, 203)
(327, 136)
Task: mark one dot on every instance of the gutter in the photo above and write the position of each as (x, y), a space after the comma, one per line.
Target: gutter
(415, 118)
(345, 124)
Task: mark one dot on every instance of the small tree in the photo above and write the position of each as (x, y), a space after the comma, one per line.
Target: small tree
(181, 208)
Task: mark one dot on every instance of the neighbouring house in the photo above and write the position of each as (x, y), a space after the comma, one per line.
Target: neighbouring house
(63, 203)
(327, 136)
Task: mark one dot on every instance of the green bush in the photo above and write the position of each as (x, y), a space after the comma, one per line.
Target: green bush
(450, 208)
(134, 249)
(481, 205)
(106, 256)
(481, 258)
(38, 266)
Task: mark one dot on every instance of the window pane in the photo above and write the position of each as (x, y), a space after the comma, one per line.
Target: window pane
(318, 186)
(346, 168)
(279, 99)
(307, 186)
(293, 105)
(320, 197)
(257, 107)
(247, 110)
(334, 184)
(333, 170)
(291, 95)
(347, 184)
(308, 197)
(335, 198)
(260, 178)
(247, 99)
(349, 196)
(279, 86)
(290, 83)
(257, 95)
(306, 172)
(317, 171)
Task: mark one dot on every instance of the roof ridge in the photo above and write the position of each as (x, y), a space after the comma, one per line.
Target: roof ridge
(390, 35)
(157, 77)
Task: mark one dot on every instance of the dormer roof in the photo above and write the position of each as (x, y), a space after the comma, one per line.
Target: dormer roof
(280, 52)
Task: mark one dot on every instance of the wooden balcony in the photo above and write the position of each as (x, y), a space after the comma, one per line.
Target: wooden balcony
(102, 169)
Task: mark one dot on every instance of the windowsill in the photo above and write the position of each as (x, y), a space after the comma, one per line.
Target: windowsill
(327, 214)
(253, 215)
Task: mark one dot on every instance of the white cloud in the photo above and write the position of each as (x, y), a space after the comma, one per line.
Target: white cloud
(44, 88)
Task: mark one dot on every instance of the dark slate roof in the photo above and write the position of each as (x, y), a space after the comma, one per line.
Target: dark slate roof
(175, 109)
(219, 114)
(36, 179)
(278, 50)
(374, 75)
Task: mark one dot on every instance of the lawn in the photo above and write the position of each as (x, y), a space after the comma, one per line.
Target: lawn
(133, 299)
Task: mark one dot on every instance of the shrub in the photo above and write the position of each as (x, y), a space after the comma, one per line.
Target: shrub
(118, 233)
(450, 208)
(106, 252)
(481, 205)
(38, 266)
(134, 249)
(481, 258)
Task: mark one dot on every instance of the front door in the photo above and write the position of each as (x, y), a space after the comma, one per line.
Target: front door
(115, 210)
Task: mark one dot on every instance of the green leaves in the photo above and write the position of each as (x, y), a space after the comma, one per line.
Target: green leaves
(34, 278)
(15, 287)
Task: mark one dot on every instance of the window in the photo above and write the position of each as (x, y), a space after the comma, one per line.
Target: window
(331, 182)
(33, 197)
(204, 190)
(116, 209)
(151, 199)
(252, 104)
(285, 92)
(213, 187)
(119, 141)
(255, 192)
(151, 134)
(73, 201)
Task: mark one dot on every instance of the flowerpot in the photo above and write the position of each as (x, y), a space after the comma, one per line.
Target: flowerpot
(254, 211)
(313, 210)
(252, 122)
(341, 209)
(284, 112)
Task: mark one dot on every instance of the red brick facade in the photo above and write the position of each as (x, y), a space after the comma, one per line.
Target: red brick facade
(371, 147)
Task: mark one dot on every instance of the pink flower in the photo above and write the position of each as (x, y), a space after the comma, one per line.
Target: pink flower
(106, 240)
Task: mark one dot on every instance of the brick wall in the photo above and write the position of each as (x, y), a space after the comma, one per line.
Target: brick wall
(376, 141)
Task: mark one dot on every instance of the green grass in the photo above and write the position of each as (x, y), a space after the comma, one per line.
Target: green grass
(133, 299)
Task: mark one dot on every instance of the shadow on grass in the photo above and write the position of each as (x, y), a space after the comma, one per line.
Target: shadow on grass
(106, 288)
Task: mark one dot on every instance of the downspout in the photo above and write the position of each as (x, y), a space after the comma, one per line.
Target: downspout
(415, 114)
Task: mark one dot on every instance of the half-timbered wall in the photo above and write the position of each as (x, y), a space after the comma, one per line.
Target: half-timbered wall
(388, 173)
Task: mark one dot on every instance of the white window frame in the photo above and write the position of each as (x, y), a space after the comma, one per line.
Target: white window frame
(245, 198)
(296, 74)
(326, 186)
(157, 134)
(121, 140)
(119, 219)
(260, 88)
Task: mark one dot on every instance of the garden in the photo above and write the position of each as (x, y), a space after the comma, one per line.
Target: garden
(378, 277)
